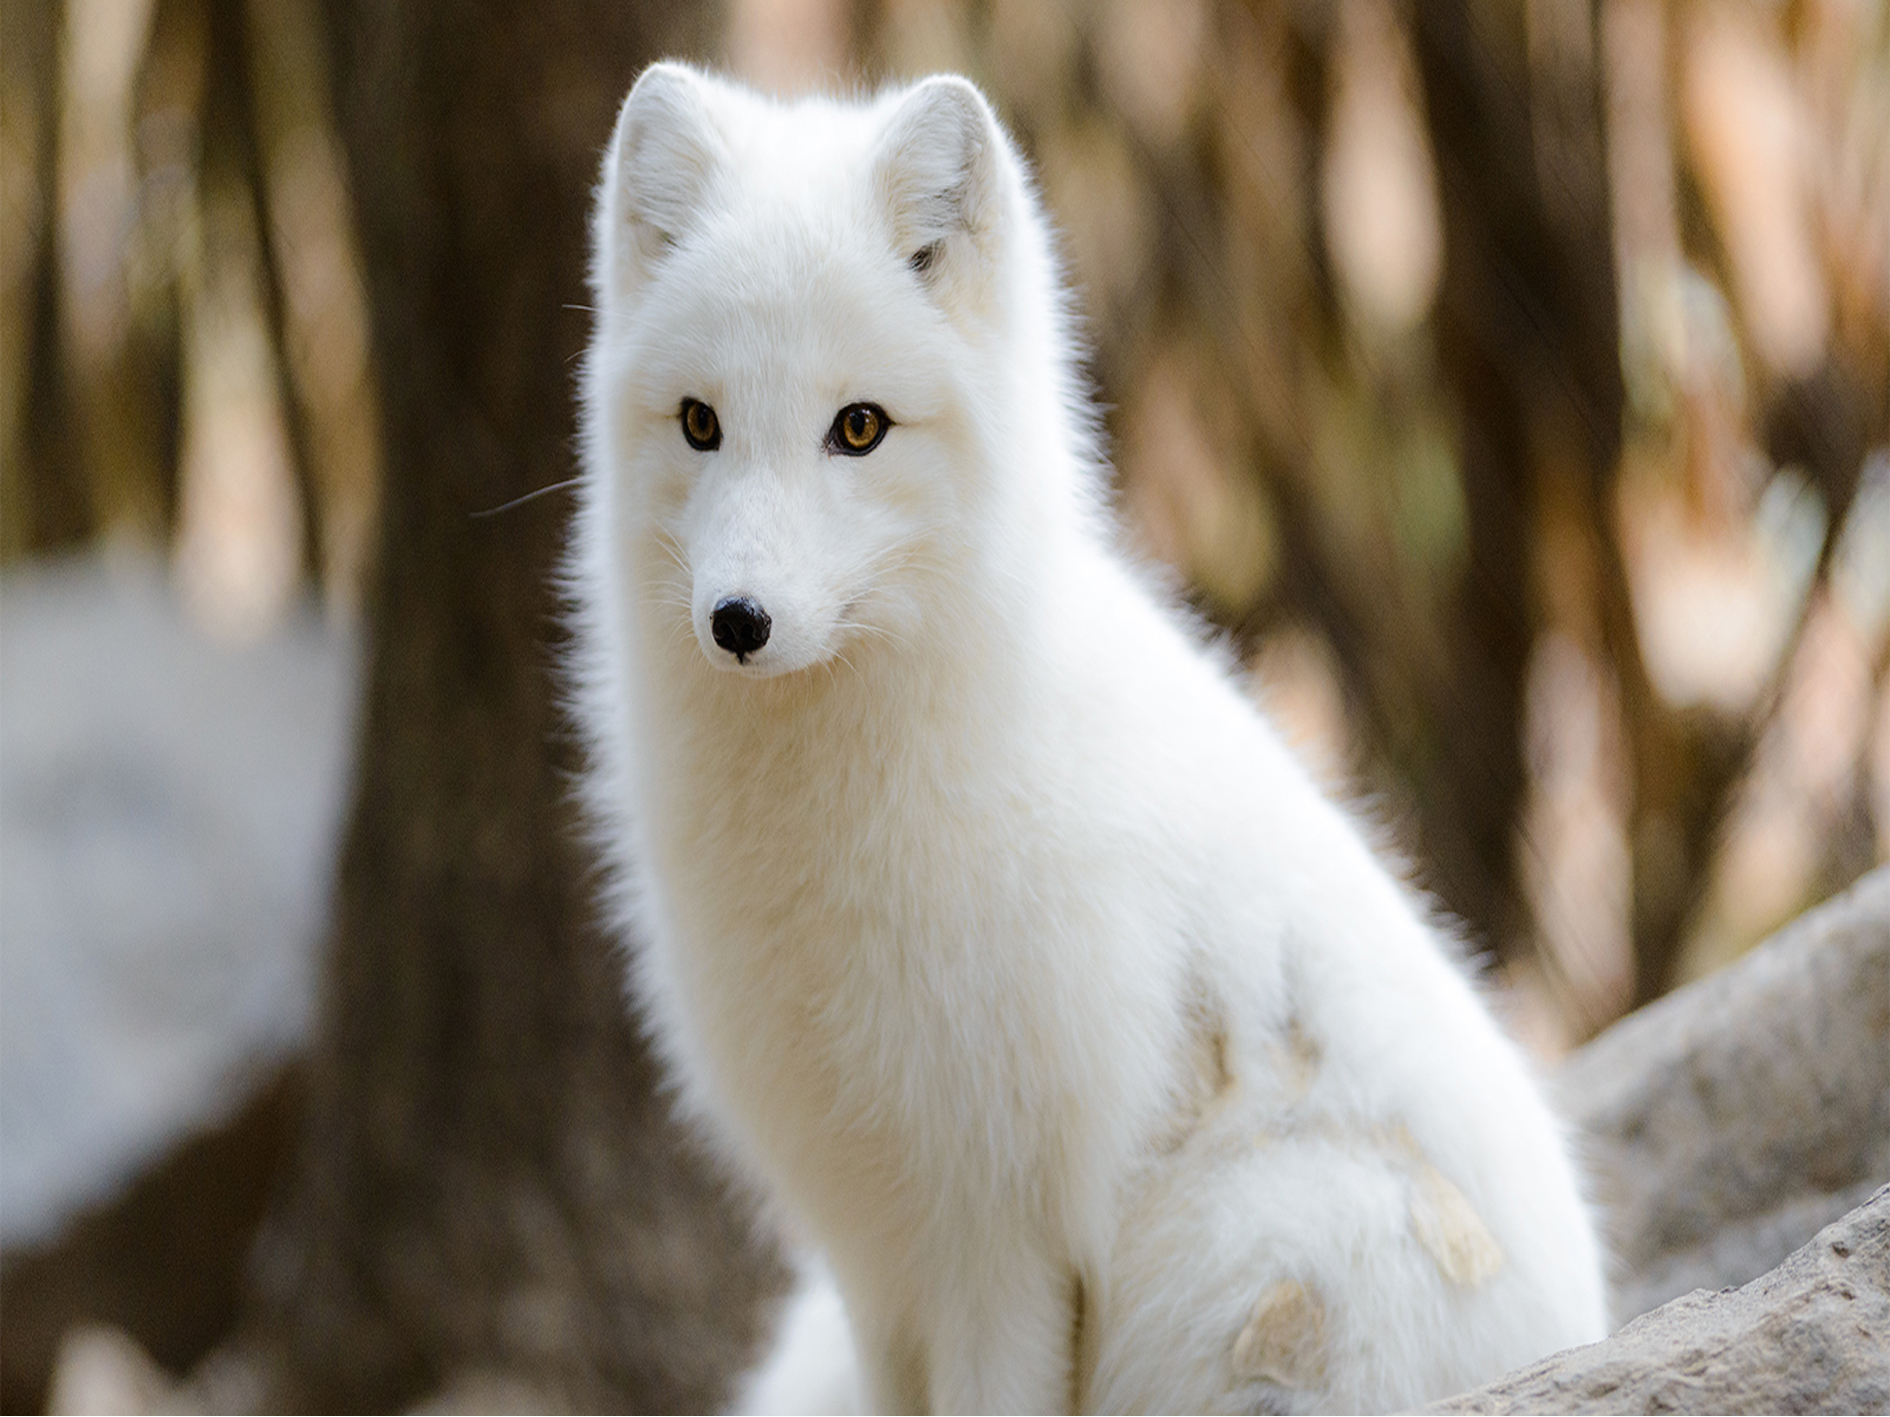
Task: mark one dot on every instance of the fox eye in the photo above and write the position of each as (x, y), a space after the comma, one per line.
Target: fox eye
(700, 426)
(857, 429)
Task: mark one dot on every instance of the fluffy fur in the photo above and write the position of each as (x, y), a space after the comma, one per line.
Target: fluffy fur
(980, 917)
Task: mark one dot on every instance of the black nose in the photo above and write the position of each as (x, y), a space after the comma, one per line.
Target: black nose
(740, 626)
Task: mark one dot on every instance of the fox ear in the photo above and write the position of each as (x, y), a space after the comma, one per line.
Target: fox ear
(938, 174)
(665, 152)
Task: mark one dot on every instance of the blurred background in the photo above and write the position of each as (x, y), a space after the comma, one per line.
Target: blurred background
(1509, 380)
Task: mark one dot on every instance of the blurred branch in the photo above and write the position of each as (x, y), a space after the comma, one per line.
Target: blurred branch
(319, 303)
(114, 333)
(43, 500)
(1527, 334)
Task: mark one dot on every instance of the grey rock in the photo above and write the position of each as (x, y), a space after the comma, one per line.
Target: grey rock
(168, 811)
(1724, 1124)
(1812, 1335)
(1722, 1127)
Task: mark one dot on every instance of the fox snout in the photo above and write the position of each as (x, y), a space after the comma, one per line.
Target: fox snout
(763, 596)
(753, 625)
(771, 567)
(739, 625)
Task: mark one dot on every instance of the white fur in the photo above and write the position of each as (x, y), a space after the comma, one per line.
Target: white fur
(812, 1367)
(985, 924)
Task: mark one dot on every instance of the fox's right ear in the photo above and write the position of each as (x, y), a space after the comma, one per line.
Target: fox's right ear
(665, 152)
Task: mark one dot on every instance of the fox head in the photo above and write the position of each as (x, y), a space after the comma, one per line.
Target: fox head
(820, 330)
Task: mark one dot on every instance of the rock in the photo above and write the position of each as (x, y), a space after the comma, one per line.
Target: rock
(1723, 1124)
(1812, 1335)
(168, 811)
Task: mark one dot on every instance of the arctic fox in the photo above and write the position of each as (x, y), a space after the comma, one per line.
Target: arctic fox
(987, 927)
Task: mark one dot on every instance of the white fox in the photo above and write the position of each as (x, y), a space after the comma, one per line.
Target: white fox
(987, 927)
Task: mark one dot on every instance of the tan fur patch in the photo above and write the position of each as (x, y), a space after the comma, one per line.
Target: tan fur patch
(1297, 1057)
(1285, 1340)
(1304, 1051)
(1398, 1141)
(1455, 1235)
(1212, 1075)
(1209, 1078)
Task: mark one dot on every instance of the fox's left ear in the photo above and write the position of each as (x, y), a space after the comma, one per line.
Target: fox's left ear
(939, 175)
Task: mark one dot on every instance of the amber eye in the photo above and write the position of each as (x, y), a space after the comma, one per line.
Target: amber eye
(700, 426)
(857, 429)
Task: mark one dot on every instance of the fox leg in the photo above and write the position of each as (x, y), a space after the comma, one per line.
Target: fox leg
(1010, 1345)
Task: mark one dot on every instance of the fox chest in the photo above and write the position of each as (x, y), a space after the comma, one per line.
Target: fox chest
(836, 972)
(910, 998)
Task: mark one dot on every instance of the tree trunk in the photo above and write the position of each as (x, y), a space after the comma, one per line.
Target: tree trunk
(1526, 331)
(487, 1184)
